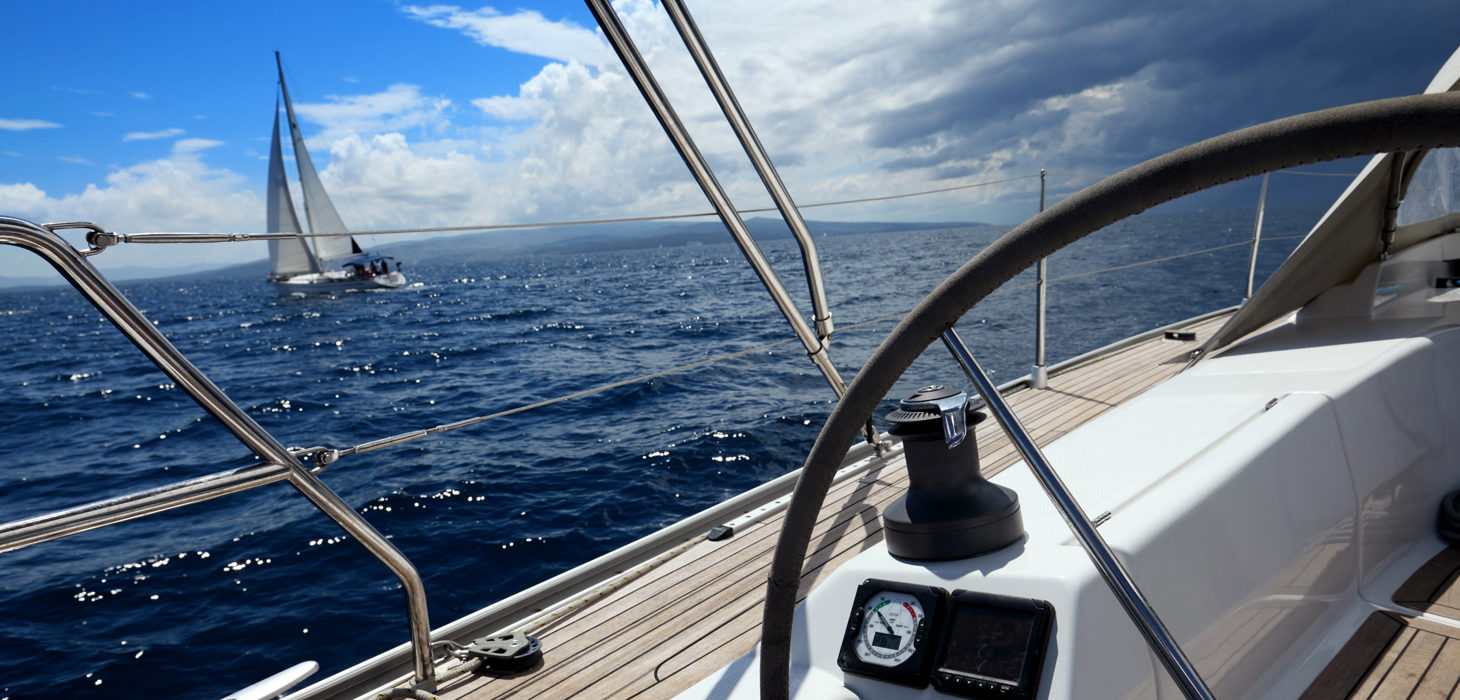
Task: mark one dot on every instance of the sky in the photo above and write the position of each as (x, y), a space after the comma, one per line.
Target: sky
(155, 116)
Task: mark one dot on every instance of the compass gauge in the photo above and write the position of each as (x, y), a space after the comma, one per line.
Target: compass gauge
(889, 628)
(891, 634)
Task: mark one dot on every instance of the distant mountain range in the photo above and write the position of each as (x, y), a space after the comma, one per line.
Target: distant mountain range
(493, 246)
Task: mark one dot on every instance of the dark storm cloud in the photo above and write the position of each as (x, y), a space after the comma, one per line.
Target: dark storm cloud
(1179, 73)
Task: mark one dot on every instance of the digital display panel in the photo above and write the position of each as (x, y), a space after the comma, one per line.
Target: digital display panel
(886, 641)
(988, 643)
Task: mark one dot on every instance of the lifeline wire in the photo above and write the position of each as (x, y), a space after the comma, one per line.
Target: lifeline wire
(176, 237)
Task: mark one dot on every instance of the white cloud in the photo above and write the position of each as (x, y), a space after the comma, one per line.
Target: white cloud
(524, 31)
(152, 135)
(398, 108)
(139, 95)
(178, 193)
(850, 101)
(184, 146)
(26, 124)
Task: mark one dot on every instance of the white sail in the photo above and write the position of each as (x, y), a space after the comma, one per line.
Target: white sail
(318, 208)
(290, 256)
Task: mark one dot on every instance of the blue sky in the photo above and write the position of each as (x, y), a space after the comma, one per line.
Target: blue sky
(155, 116)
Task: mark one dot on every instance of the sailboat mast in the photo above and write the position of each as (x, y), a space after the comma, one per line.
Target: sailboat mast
(294, 135)
(318, 209)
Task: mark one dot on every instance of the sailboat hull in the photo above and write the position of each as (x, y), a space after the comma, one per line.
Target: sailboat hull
(329, 282)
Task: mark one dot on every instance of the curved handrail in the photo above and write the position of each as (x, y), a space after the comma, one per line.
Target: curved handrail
(1404, 123)
(72, 265)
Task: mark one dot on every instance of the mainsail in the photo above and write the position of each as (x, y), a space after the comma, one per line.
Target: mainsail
(318, 209)
(289, 256)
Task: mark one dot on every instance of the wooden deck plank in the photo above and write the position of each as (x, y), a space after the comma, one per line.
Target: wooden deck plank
(1443, 674)
(1393, 657)
(1355, 660)
(1435, 587)
(1403, 677)
(706, 602)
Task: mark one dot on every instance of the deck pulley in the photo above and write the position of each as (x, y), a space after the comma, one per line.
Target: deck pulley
(506, 654)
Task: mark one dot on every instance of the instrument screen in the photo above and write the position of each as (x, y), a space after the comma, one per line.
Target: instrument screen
(971, 644)
(993, 646)
(988, 643)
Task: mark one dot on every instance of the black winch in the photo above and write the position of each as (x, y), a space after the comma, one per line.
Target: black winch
(949, 511)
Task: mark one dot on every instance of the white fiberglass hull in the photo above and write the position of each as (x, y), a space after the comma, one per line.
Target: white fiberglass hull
(327, 282)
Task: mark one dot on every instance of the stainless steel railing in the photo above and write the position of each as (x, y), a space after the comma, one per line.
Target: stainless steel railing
(684, 23)
(278, 462)
(658, 103)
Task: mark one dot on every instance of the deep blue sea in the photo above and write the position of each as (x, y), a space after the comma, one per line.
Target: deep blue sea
(206, 599)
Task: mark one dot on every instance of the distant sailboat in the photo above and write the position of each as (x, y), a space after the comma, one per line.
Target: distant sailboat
(334, 263)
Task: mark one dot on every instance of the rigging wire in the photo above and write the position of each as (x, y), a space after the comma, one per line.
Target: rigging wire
(191, 237)
(200, 237)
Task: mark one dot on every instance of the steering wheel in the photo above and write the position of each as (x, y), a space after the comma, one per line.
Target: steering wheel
(1384, 126)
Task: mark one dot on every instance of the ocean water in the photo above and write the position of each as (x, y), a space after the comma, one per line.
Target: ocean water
(209, 598)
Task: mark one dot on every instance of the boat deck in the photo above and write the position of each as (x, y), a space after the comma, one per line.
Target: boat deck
(1394, 656)
(661, 633)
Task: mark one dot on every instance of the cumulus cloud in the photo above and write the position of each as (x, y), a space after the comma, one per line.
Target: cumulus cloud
(523, 31)
(850, 102)
(177, 193)
(398, 108)
(152, 135)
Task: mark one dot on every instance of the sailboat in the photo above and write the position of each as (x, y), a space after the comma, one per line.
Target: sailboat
(335, 262)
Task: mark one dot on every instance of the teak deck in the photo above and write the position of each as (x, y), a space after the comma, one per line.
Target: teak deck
(1393, 656)
(665, 631)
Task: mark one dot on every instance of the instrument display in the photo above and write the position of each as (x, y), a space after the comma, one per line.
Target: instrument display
(888, 635)
(972, 644)
(889, 628)
(993, 646)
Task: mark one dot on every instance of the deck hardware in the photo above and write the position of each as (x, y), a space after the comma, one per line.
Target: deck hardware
(1163, 644)
(507, 653)
(949, 405)
(949, 510)
(720, 532)
(98, 238)
(1100, 519)
(1271, 402)
(1039, 376)
(1184, 336)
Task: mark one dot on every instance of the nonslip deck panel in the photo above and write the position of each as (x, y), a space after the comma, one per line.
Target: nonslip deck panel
(668, 629)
